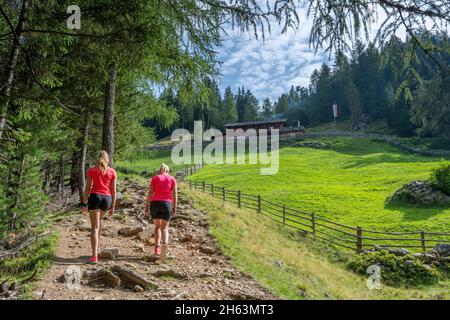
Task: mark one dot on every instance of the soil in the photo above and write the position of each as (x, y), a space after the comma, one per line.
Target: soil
(195, 268)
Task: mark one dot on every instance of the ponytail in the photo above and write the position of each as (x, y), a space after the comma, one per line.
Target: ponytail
(164, 168)
(103, 161)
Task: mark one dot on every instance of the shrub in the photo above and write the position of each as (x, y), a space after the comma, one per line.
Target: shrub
(395, 271)
(440, 177)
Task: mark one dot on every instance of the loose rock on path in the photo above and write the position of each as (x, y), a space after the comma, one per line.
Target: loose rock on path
(195, 268)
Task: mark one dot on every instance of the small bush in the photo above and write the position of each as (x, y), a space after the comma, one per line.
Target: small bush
(440, 177)
(395, 271)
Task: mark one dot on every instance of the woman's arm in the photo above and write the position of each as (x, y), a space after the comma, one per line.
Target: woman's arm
(87, 190)
(113, 195)
(175, 199)
(149, 199)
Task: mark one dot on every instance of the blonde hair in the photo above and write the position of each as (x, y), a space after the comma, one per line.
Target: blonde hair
(103, 160)
(164, 168)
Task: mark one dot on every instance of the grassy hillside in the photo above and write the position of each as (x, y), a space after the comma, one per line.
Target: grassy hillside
(289, 264)
(146, 161)
(377, 126)
(347, 181)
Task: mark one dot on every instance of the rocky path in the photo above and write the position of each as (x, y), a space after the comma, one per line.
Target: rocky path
(195, 268)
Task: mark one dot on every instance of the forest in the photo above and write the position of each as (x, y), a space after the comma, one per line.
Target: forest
(67, 93)
(410, 93)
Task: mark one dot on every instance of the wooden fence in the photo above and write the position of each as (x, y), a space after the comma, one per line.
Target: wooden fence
(356, 239)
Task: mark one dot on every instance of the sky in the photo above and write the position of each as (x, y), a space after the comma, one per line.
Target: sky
(269, 67)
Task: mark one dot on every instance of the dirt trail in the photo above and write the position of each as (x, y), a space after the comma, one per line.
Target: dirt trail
(195, 268)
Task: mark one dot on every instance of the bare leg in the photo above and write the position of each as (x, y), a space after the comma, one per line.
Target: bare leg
(164, 239)
(157, 224)
(102, 215)
(164, 232)
(94, 216)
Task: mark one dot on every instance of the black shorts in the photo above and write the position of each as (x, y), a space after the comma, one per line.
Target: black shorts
(99, 202)
(161, 210)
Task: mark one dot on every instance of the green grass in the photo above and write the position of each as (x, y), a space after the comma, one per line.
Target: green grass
(309, 270)
(37, 256)
(146, 161)
(347, 182)
(427, 143)
(345, 124)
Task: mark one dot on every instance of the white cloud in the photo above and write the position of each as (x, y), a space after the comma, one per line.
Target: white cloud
(269, 67)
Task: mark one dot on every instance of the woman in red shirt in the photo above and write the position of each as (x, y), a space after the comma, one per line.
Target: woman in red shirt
(99, 197)
(162, 200)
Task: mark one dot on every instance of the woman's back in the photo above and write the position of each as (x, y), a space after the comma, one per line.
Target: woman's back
(163, 185)
(101, 182)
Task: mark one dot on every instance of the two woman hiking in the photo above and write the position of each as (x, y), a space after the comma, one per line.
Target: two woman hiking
(100, 197)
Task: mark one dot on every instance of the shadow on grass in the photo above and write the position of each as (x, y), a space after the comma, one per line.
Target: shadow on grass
(416, 213)
(380, 158)
(377, 148)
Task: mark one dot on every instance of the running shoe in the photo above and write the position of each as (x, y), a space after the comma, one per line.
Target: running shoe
(92, 260)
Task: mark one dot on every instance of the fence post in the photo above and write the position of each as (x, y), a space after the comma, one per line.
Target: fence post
(259, 203)
(203, 186)
(190, 184)
(239, 198)
(313, 223)
(195, 185)
(284, 214)
(223, 194)
(359, 242)
(422, 240)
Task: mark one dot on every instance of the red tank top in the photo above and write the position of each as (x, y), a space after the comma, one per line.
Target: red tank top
(101, 182)
(163, 185)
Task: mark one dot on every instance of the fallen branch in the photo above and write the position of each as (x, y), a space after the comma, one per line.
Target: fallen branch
(29, 240)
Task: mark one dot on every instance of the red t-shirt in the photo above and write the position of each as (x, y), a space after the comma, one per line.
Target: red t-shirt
(101, 182)
(163, 185)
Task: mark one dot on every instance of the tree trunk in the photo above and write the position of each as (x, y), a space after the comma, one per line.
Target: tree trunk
(47, 175)
(74, 167)
(14, 187)
(83, 153)
(108, 114)
(61, 173)
(10, 67)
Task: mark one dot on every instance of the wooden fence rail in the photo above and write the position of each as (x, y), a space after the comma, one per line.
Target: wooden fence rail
(356, 239)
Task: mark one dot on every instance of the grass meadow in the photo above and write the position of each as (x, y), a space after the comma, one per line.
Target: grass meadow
(347, 181)
(289, 264)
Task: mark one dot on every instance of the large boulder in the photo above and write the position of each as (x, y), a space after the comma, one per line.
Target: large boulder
(419, 193)
(425, 257)
(399, 252)
(442, 249)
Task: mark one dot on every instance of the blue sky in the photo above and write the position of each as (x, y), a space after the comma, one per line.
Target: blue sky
(268, 67)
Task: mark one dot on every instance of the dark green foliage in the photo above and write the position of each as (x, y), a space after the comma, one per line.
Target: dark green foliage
(39, 255)
(372, 83)
(440, 177)
(395, 271)
(431, 107)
